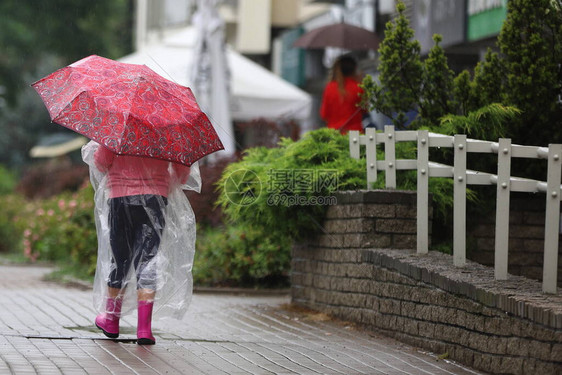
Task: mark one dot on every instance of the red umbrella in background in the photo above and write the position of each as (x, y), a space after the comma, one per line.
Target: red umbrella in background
(339, 35)
(130, 109)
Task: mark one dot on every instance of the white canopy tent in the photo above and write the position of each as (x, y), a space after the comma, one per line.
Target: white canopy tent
(255, 91)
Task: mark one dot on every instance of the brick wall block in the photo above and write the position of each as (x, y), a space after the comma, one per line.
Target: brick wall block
(396, 226)
(404, 241)
(533, 246)
(546, 368)
(335, 225)
(515, 217)
(497, 345)
(556, 353)
(343, 255)
(411, 326)
(334, 211)
(525, 259)
(517, 347)
(526, 231)
(344, 211)
(427, 329)
(351, 211)
(369, 316)
(517, 244)
(359, 225)
(353, 240)
(376, 240)
(330, 240)
(486, 244)
(540, 350)
(406, 212)
(379, 210)
(483, 230)
(389, 306)
(482, 257)
(511, 365)
(533, 218)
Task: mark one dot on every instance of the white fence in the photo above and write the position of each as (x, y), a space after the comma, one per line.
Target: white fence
(463, 177)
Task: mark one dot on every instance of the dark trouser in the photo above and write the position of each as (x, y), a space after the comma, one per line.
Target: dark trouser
(136, 224)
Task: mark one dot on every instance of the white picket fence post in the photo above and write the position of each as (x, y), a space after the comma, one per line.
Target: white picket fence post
(354, 145)
(552, 219)
(462, 177)
(371, 150)
(423, 193)
(390, 157)
(459, 201)
(502, 209)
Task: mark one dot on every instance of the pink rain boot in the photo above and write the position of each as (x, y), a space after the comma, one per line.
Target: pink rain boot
(144, 324)
(108, 321)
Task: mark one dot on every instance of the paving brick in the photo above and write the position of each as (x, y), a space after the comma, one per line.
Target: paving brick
(48, 329)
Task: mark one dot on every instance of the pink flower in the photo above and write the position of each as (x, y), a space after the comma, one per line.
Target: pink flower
(40, 212)
(27, 232)
(62, 204)
(50, 212)
(72, 203)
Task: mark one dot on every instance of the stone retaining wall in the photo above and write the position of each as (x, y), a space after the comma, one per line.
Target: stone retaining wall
(499, 327)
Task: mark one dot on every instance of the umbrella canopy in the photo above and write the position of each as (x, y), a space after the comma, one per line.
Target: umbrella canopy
(129, 109)
(339, 35)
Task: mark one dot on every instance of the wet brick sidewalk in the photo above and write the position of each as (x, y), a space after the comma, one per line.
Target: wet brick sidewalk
(47, 328)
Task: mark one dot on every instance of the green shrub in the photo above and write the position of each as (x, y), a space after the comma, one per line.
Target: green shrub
(258, 191)
(241, 256)
(7, 181)
(11, 231)
(61, 229)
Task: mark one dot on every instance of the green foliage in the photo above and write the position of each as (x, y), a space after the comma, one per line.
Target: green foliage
(61, 229)
(7, 181)
(486, 123)
(487, 84)
(259, 190)
(525, 75)
(531, 51)
(10, 232)
(437, 85)
(71, 29)
(400, 70)
(241, 255)
(38, 37)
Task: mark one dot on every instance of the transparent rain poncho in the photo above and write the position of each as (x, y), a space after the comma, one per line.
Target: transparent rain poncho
(168, 269)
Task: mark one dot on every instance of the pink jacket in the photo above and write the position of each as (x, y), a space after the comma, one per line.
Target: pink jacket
(135, 175)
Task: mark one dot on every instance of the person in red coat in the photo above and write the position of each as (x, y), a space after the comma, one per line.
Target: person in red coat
(341, 97)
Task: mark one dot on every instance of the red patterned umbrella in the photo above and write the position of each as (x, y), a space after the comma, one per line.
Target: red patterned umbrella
(129, 109)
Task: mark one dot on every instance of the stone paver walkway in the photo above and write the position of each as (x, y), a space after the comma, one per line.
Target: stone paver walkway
(46, 328)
